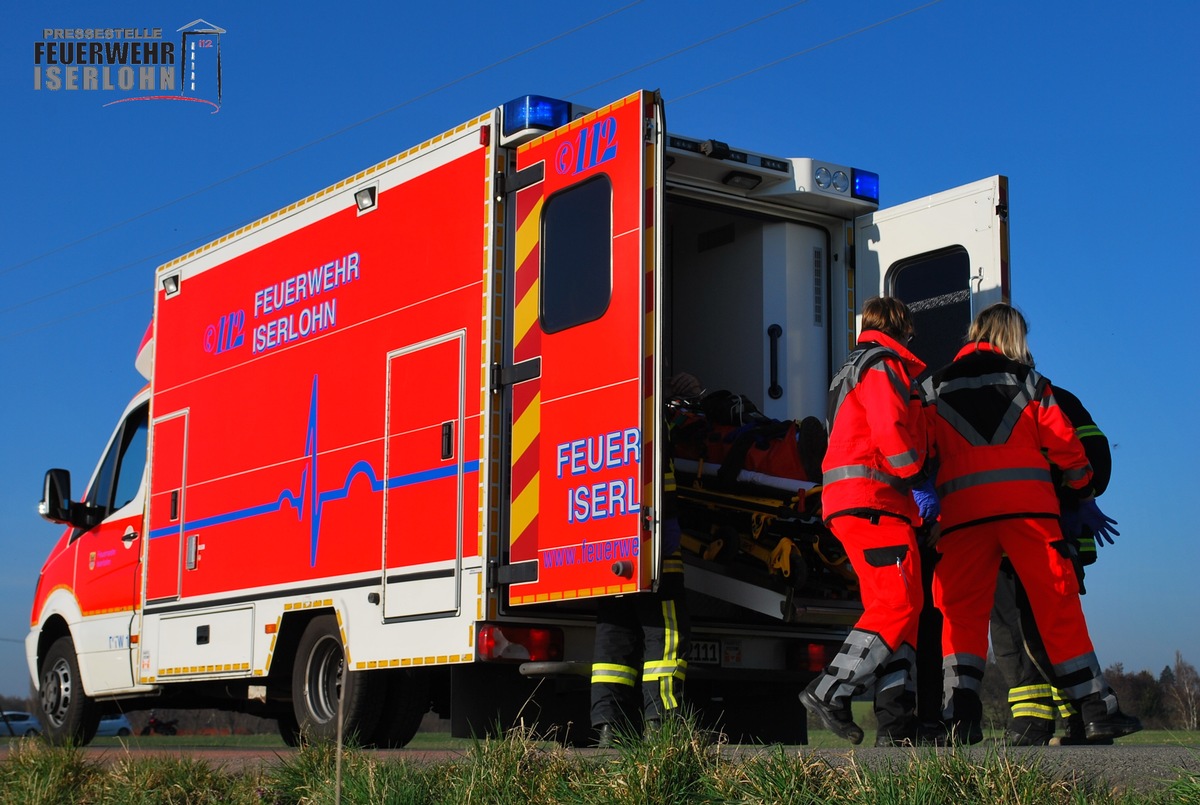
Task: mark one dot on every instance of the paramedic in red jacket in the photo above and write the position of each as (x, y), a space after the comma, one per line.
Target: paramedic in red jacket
(877, 449)
(996, 430)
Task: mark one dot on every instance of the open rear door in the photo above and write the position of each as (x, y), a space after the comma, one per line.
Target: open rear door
(945, 255)
(580, 367)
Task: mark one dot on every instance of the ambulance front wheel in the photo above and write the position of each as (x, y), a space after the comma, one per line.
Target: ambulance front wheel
(70, 716)
(322, 687)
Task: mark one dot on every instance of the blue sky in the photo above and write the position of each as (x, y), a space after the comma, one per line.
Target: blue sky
(1090, 109)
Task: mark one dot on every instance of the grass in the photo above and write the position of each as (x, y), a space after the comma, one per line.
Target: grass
(679, 764)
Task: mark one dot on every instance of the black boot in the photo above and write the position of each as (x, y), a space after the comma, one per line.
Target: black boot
(837, 719)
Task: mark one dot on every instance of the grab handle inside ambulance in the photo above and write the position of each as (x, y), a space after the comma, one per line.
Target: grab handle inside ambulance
(776, 390)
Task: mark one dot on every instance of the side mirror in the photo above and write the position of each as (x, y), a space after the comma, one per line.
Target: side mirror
(55, 505)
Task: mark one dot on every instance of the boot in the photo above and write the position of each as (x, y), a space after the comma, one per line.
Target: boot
(1028, 731)
(1103, 719)
(836, 719)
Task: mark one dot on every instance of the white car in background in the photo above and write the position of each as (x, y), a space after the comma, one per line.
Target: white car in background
(19, 723)
(115, 724)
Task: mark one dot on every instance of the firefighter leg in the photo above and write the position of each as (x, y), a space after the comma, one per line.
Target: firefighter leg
(618, 649)
(665, 629)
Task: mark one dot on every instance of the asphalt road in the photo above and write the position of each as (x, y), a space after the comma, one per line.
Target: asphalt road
(1140, 767)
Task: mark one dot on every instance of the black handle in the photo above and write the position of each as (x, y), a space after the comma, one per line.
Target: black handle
(776, 390)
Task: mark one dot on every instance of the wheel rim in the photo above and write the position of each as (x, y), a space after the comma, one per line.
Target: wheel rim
(56, 691)
(324, 679)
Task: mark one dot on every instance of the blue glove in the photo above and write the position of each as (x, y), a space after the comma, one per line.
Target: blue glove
(1099, 522)
(927, 501)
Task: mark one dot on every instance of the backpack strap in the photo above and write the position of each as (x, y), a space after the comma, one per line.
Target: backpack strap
(851, 374)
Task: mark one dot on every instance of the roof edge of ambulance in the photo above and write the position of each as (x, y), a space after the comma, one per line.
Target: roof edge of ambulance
(349, 181)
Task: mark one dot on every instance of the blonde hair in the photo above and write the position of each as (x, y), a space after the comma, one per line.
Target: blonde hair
(1004, 328)
(888, 315)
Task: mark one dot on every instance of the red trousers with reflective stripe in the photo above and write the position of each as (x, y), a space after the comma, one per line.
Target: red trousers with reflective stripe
(964, 586)
(891, 592)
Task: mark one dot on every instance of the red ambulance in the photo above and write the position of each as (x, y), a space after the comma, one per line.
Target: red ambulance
(400, 435)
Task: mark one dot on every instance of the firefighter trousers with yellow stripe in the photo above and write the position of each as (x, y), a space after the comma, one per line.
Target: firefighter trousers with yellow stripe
(641, 638)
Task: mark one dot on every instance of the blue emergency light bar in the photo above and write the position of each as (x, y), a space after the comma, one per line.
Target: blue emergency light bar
(864, 185)
(535, 112)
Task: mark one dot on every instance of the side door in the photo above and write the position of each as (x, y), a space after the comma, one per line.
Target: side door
(423, 462)
(168, 488)
(945, 255)
(580, 356)
(107, 557)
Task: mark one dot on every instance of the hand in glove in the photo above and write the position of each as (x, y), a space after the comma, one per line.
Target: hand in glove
(927, 501)
(1099, 522)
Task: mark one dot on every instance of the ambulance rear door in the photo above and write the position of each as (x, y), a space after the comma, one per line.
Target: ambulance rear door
(580, 356)
(945, 256)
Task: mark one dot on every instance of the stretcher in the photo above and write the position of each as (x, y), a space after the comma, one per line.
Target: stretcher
(751, 521)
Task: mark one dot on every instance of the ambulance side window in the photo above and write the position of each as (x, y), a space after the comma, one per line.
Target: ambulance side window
(936, 286)
(120, 475)
(576, 251)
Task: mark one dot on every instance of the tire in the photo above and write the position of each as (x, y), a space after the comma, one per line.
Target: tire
(405, 703)
(31, 733)
(319, 677)
(123, 733)
(70, 716)
(289, 730)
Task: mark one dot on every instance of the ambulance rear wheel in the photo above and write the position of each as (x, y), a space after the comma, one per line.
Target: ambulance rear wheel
(405, 703)
(70, 716)
(320, 681)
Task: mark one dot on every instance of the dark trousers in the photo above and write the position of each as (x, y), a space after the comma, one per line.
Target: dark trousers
(641, 641)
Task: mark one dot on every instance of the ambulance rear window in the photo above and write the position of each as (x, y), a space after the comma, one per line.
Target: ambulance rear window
(576, 271)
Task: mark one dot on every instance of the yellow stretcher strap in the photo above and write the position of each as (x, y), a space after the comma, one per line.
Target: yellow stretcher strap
(781, 557)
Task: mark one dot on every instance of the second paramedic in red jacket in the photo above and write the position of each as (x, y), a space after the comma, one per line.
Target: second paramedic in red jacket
(996, 429)
(877, 449)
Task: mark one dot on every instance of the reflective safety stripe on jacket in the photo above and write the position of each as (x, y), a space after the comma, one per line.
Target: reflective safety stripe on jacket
(997, 428)
(877, 434)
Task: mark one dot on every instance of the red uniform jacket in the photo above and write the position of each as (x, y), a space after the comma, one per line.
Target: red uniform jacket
(877, 439)
(996, 429)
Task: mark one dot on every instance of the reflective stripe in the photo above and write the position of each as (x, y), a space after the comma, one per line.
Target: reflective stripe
(613, 674)
(1033, 710)
(1077, 474)
(1029, 692)
(1084, 431)
(1080, 676)
(850, 375)
(992, 477)
(1027, 392)
(905, 459)
(672, 566)
(850, 471)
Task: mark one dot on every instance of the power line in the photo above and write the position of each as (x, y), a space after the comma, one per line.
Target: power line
(324, 138)
(321, 139)
(682, 50)
(807, 50)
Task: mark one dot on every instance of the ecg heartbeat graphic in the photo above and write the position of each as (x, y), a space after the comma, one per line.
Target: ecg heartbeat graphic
(308, 501)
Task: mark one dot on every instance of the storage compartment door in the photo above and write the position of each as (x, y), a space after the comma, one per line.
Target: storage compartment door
(423, 503)
(580, 370)
(168, 481)
(945, 255)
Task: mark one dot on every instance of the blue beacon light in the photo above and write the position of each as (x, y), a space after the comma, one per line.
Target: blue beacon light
(864, 185)
(535, 112)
